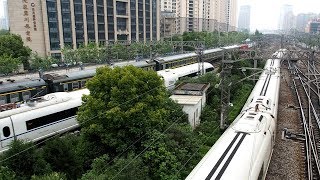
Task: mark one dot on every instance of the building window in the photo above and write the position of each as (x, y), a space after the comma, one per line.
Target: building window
(90, 20)
(66, 23)
(121, 8)
(79, 22)
(53, 25)
(121, 24)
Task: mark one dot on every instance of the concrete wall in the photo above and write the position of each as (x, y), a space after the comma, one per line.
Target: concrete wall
(26, 20)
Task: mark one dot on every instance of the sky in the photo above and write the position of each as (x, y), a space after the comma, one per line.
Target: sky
(1, 8)
(265, 13)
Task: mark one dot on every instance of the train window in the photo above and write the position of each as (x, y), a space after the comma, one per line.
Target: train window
(3, 99)
(65, 87)
(260, 118)
(14, 97)
(83, 83)
(75, 85)
(210, 69)
(26, 95)
(6, 131)
(56, 88)
(34, 123)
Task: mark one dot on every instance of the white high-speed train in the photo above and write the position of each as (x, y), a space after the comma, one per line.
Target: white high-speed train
(43, 117)
(244, 150)
(171, 76)
(55, 113)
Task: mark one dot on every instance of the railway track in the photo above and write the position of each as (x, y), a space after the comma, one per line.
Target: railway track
(305, 86)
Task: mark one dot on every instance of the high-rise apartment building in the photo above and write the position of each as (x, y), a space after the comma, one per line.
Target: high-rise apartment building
(200, 15)
(4, 20)
(46, 26)
(313, 26)
(2, 23)
(303, 19)
(232, 13)
(287, 19)
(244, 18)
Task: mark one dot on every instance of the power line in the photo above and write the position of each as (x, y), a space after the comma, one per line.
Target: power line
(57, 134)
(152, 142)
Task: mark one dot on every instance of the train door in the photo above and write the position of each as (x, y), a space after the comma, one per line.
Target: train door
(6, 132)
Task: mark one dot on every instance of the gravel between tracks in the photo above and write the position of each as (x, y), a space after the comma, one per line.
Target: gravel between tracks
(286, 161)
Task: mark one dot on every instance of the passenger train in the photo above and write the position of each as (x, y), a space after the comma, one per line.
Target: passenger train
(55, 113)
(244, 150)
(14, 90)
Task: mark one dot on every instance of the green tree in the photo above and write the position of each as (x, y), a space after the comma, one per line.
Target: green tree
(7, 174)
(52, 176)
(12, 45)
(101, 169)
(37, 62)
(24, 164)
(8, 64)
(126, 103)
(4, 32)
(60, 153)
(70, 55)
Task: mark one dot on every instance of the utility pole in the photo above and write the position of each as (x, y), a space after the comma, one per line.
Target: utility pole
(199, 52)
(226, 65)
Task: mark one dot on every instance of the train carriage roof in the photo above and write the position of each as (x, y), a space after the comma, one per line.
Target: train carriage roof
(56, 78)
(142, 63)
(212, 50)
(10, 85)
(174, 57)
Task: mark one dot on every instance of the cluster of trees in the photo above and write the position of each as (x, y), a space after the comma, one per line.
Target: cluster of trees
(93, 53)
(130, 129)
(213, 39)
(14, 53)
(310, 40)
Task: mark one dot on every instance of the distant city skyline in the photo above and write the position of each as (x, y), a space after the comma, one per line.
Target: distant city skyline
(265, 14)
(1, 8)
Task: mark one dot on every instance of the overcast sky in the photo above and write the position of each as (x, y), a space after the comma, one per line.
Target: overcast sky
(265, 13)
(1, 8)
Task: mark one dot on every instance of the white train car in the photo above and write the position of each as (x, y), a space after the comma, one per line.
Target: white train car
(52, 114)
(55, 113)
(171, 76)
(244, 150)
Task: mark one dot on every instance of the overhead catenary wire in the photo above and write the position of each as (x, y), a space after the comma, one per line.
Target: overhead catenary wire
(57, 134)
(149, 145)
(208, 137)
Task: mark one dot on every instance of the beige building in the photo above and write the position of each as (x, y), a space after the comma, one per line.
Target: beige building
(46, 26)
(199, 15)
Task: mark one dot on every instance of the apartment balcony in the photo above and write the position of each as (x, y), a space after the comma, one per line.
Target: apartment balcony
(122, 31)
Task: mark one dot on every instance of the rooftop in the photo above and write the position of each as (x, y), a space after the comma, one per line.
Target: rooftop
(197, 89)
